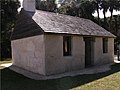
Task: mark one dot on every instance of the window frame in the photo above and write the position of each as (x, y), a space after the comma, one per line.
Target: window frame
(67, 46)
(105, 45)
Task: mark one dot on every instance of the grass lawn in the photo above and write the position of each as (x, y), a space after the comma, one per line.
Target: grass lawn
(109, 80)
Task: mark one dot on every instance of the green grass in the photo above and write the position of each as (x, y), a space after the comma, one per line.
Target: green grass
(109, 80)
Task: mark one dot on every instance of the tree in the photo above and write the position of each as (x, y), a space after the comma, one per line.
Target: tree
(104, 5)
(79, 8)
(96, 4)
(8, 18)
(69, 8)
(116, 30)
(113, 5)
(48, 5)
(87, 9)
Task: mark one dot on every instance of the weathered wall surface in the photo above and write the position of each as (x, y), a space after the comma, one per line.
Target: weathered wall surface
(57, 63)
(43, 54)
(54, 59)
(28, 53)
(100, 57)
(29, 5)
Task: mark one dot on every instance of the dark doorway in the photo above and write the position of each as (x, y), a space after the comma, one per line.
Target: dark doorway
(89, 51)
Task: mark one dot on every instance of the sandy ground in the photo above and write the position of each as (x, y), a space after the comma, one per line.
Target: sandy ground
(6, 64)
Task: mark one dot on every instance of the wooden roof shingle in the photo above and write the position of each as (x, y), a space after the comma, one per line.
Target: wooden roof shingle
(47, 22)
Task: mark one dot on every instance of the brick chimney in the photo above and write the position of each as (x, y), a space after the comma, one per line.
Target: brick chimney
(29, 5)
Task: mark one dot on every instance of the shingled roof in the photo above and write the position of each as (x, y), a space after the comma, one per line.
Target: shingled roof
(40, 22)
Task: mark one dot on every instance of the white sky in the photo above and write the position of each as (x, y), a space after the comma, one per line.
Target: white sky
(107, 14)
(95, 14)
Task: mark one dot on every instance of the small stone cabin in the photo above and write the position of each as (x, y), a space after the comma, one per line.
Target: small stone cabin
(49, 43)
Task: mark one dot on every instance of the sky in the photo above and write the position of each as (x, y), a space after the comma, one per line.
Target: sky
(107, 14)
(95, 14)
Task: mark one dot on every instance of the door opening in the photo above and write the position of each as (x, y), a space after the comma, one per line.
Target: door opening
(89, 51)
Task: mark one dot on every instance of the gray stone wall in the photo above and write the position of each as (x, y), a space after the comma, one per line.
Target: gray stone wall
(100, 57)
(28, 53)
(43, 54)
(55, 61)
(29, 5)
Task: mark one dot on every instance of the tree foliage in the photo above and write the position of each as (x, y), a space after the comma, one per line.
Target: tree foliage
(79, 8)
(8, 17)
(47, 5)
(86, 8)
(116, 28)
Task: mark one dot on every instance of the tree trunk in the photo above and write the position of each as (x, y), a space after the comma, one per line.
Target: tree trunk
(110, 27)
(105, 22)
(47, 2)
(116, 26)
(98, 16)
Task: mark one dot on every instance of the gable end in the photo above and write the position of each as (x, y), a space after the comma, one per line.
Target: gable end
(25, 27)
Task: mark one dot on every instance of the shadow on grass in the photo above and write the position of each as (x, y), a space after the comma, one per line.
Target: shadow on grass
(14, 81)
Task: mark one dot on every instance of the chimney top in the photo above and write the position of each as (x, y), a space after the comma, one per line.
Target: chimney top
(29, 5)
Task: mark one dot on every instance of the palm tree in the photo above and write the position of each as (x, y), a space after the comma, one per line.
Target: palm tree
(96, 4)
(113, 5)
(104, 5)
